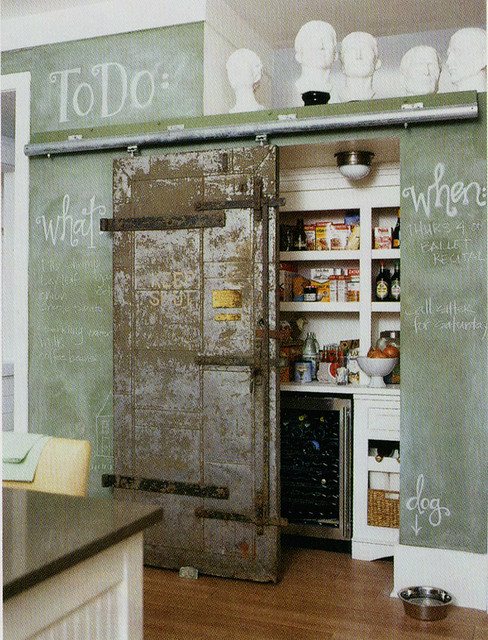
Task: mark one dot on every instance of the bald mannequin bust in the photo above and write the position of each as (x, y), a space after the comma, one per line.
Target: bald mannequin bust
(316, 51)
(244, 71)
(359, 59)
(420, 68)
(466, 59)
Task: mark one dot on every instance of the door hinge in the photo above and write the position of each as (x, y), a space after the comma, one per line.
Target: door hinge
(154, 485)
(257, 519)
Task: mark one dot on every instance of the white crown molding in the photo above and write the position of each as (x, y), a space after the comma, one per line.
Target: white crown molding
(99, 19)
(320, 178)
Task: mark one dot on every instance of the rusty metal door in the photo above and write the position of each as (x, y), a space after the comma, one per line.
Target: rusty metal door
(195, 355)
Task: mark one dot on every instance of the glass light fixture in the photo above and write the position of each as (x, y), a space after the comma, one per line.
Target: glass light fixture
(354, 164)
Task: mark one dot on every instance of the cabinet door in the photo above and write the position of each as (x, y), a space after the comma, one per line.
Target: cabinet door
(194, 391)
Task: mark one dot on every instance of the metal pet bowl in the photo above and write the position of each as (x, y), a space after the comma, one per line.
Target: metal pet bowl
(425, 603)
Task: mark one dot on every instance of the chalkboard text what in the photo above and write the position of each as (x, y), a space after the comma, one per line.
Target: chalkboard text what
(69, 229)
(442, 195)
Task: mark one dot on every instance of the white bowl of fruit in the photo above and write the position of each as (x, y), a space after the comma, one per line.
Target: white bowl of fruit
(378, 364)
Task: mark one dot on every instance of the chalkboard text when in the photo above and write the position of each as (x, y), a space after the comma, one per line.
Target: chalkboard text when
(442, 195)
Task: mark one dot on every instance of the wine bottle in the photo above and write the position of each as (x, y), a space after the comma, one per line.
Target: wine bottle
(300, 239)
(395, 283)
(395, 234)
(383, 284)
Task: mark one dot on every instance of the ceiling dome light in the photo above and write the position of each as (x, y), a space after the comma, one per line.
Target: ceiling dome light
(354, 164)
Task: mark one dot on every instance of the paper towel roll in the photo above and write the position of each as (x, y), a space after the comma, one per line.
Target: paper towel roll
(379, 480)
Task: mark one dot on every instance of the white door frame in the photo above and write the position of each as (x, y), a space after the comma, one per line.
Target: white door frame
(20, 83)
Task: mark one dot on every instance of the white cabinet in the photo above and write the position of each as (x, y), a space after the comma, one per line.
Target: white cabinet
(376, 420)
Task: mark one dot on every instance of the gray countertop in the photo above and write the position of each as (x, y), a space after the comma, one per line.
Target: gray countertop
(44, 534)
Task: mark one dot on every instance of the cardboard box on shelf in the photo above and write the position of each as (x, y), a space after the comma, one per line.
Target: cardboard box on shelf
(310, 233)
(322, 242)
(353, 240)
(319, 278)
(353, 285)
(382, 238)
(288, 271)
(338, 235)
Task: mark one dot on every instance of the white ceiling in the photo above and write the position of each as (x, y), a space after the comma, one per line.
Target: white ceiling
(278, 20)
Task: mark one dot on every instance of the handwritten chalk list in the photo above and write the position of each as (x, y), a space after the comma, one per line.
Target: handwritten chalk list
(71, 297)
(444, 338)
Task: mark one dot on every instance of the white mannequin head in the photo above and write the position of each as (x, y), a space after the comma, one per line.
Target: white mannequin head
(420, 68)
(359, 55)
(244, 71)
(466, 59)
(316, 51)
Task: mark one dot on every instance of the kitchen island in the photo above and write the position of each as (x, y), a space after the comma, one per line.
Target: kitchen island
(72, 567)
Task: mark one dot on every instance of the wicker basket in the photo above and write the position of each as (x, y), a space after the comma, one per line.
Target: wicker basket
(383, 508)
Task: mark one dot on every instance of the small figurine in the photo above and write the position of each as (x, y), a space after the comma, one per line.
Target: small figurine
(359, 59)
(420, 68)
(466, 59)
(244, 71)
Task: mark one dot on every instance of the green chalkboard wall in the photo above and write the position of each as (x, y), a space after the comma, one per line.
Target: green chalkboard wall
(444, 408)
(119, 79)
(131, 78)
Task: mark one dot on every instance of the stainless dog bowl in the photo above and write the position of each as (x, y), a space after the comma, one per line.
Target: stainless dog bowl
(425, 603)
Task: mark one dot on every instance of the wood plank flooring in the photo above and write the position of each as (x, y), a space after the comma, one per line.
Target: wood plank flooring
(323, 595)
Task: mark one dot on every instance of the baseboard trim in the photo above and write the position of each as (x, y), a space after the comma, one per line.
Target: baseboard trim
(464, 575)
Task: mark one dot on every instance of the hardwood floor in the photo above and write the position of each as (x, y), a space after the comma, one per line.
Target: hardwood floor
(323, 595)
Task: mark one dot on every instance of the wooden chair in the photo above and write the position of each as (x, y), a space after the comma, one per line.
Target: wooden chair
(63, 468)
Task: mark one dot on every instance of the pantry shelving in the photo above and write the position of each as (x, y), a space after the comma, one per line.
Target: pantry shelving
(332, 199)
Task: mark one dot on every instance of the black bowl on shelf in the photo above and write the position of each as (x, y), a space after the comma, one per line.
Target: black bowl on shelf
(315, 97)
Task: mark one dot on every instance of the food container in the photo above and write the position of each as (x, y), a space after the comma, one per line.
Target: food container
(303, 372)
(425, 603)
(310, 294)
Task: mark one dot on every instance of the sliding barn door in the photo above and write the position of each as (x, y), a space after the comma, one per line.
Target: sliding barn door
(195, 355)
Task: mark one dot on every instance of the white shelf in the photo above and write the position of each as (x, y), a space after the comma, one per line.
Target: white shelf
(385, 307)
(318, 256)
(321, 307)
(385, 254)
(387, 465)
(391, 390)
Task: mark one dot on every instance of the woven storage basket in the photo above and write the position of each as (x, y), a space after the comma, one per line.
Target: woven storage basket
(383, 508)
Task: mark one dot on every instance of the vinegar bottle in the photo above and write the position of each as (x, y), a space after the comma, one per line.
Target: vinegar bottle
(395, 283)
(395, 235)
(300, 240)
(383, 284)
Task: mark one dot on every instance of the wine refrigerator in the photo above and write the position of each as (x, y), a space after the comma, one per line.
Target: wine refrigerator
(316, 464)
